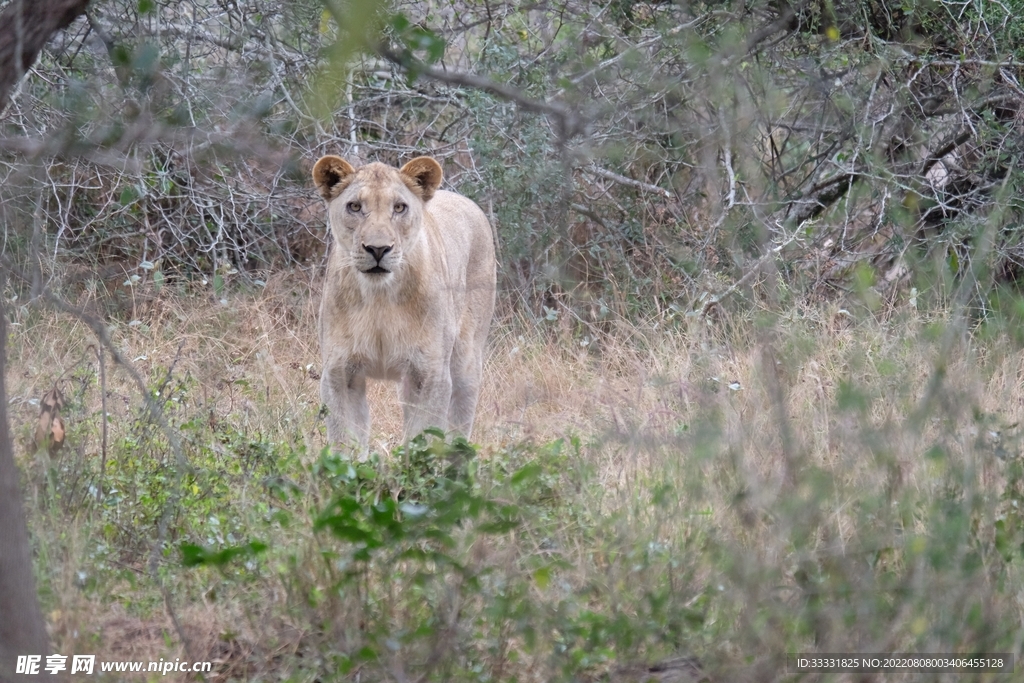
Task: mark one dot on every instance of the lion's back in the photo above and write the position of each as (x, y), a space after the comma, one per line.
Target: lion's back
(460, 216)
(466, 233)
(465, 230)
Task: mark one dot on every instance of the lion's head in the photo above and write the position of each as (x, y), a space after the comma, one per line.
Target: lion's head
(376, 212)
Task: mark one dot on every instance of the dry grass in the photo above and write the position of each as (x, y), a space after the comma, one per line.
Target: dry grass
(740, 418)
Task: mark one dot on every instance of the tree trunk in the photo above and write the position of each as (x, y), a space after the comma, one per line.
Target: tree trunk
(22, 630)
(25, 27)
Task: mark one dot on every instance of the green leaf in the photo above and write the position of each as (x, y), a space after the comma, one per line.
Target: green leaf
(194, 555)
(542, 577)
(417, 39)
(399, 22)
(527, 473)
(500, 526)
(120, 55)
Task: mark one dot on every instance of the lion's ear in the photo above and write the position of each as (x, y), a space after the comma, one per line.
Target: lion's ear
(426, 174)
(328, 174)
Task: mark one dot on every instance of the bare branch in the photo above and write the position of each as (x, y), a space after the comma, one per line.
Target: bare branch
(623, 180)
(568, 121)
(784, 22)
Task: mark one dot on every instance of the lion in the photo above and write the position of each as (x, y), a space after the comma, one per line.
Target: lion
(408, 297)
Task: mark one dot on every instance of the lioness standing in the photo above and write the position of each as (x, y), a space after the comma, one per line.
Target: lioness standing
(409, 296)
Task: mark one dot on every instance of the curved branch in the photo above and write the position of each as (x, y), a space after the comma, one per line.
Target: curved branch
(568, 121)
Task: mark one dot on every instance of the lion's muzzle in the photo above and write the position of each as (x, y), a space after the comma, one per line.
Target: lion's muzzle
(378, 253)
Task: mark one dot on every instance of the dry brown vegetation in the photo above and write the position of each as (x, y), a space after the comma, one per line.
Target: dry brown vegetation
(735, 423)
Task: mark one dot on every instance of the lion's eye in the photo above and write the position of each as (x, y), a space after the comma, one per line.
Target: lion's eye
(400, 207)
(354, 207)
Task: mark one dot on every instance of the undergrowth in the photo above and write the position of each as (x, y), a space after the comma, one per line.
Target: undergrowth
(732, 489)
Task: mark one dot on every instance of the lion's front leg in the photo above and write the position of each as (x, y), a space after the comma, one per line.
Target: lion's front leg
(343, 391)
(467, 371)
(426, 394)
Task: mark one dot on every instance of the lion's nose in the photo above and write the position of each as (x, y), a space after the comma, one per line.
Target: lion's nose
(377, 252)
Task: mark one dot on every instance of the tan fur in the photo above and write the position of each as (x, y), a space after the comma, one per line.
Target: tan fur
(424, 322)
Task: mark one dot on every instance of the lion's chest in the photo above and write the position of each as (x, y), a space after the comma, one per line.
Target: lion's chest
(382, 340)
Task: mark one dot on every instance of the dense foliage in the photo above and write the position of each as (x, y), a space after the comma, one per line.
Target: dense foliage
(633, 156)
